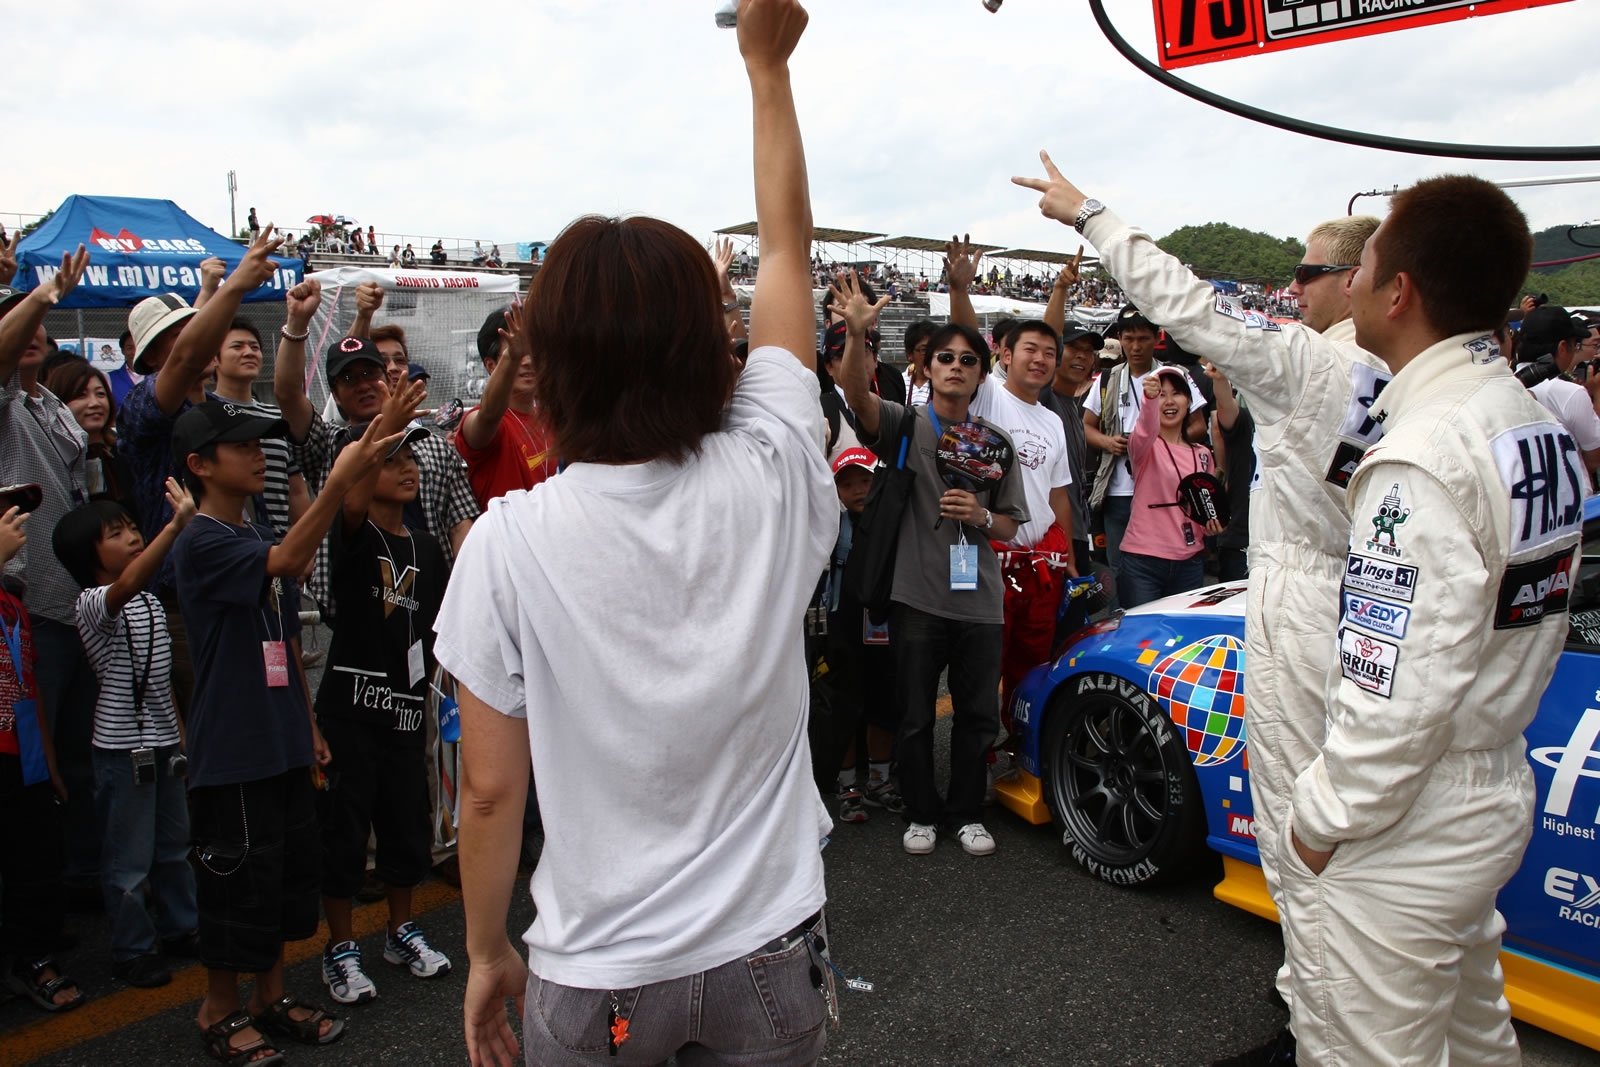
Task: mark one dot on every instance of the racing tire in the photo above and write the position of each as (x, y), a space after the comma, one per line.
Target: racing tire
(1119, 782)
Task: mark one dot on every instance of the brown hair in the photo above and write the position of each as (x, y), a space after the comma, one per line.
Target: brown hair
(1465, 245)
(70, 379)
(391, 332)
(630, 347)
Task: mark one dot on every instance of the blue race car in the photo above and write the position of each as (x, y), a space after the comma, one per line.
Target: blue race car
(1132, 741)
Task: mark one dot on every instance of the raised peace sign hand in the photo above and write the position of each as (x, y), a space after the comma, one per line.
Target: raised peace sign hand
(961, 262)
(847, 299)
(257, 268)
(1061, 200)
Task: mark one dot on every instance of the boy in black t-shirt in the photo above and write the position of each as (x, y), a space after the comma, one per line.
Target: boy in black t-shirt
(251, 737)
(387, 584)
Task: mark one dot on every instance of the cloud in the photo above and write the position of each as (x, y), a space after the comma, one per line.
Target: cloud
(504, 120)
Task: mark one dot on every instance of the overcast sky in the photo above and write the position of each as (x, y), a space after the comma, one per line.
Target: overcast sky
(504, 120)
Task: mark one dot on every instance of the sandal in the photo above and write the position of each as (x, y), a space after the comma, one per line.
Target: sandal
(307, 1031)
(28, 980)
(218, 1041)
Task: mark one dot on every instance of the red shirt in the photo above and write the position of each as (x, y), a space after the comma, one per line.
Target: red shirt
(14, 687)
(519, 457)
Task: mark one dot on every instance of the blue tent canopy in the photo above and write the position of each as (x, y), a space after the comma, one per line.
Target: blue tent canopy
(137, 248)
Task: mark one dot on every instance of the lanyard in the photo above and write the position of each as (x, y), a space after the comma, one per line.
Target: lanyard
(140, 684)
(14, 646)
(1173, 457)
(276, 583)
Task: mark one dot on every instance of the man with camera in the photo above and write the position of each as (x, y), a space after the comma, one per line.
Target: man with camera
(1546, 353)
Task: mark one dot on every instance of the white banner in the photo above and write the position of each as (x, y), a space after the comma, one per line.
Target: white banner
(939, 307)
(421, 280)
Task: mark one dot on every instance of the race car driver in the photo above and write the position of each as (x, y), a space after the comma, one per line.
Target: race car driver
(1310, 388)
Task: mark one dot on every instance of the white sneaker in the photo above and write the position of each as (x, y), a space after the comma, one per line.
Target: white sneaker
(975, 839)
(342, 974)
(919, 838)
(408, 948)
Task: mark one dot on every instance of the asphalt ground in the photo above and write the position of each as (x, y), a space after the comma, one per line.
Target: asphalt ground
(1016, 958)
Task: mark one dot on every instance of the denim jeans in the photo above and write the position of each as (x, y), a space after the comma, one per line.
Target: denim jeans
(1115, 514)
(763, 1008)
(924, 645)
(67, 692)
(146, 836)
(1147, 578)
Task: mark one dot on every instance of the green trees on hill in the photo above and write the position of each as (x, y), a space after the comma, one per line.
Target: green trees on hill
(1217, 247)
(1223, 249)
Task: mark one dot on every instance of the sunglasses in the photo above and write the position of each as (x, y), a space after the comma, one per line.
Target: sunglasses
(947, 356)
(1306, 273)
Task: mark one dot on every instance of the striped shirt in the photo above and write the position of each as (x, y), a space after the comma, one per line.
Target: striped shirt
(281, 463)
(129, 651)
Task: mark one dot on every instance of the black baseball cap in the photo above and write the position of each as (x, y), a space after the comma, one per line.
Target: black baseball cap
(489, 334)
(1072, 331)
(412, 433)
(218, 422)
(346, 350)
(1550, 325)
(1130, 316)
(417, 372)
(10, 297)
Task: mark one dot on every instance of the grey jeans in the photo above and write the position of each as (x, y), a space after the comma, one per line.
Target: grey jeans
(759, 1010)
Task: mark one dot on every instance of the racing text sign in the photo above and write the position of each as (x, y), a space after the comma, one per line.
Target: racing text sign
(1205, 31)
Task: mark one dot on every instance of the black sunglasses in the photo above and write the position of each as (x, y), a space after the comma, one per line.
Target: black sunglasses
(1306, 273)
(947, 356)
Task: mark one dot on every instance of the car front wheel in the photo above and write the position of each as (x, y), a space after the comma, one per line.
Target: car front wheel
(1119, 782)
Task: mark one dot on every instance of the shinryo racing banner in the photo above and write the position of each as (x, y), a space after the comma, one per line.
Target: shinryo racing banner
(1206, 31)
(137, 248)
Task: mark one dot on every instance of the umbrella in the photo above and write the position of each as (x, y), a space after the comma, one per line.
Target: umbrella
(321, 220)
(344, 220)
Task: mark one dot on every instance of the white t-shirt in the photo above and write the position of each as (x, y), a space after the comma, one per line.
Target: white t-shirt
(1041, 459)
(646, 621)
(1130, 402)
(1569, 402)
(106, 639)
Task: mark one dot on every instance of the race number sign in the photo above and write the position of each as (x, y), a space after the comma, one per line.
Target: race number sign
(1206, 31)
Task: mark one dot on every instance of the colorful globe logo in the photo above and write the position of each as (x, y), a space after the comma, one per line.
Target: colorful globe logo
(1201, 686)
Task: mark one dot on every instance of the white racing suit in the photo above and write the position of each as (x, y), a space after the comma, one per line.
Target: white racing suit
(1311, 397)
(1464, 541)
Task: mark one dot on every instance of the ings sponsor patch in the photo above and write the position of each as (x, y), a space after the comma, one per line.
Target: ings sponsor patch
(1368, 662)
(1380, 578)
(1530, 591)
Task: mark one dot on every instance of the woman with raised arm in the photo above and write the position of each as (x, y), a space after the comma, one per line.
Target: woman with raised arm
(600, 623)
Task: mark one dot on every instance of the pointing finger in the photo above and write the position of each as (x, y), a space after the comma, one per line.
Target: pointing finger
(1049, 167)
(1038, 185)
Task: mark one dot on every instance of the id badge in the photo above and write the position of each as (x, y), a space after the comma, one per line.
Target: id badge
(144, 765)
(963, 567)
(94, 474)
(414, 669)
(871, 633)
(275, 657)
(1188, 533)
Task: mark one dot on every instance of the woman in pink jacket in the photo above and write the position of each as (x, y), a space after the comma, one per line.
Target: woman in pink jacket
(1162, 548)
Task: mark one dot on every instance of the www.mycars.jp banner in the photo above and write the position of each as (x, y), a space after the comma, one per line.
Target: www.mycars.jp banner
(137, 248)
(1189, 32)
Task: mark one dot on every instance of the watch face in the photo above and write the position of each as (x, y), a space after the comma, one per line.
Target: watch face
(1092, 206)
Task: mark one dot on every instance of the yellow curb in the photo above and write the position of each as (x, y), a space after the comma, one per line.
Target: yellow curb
(106, 1014)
